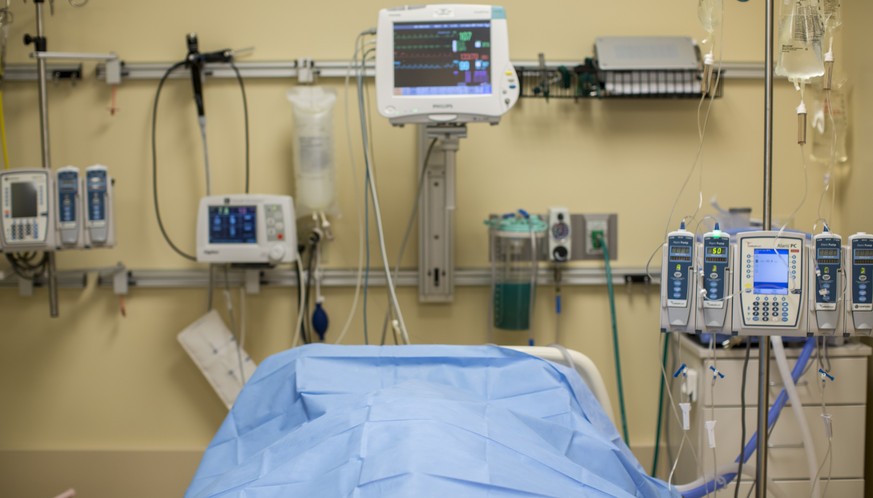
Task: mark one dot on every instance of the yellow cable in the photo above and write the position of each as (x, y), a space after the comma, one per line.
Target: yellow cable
(3, 134)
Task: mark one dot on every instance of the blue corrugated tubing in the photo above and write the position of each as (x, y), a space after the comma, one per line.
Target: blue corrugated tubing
(774, 412)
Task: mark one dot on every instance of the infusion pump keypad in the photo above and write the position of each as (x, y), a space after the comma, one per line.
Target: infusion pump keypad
(771, 281)
(275, 221)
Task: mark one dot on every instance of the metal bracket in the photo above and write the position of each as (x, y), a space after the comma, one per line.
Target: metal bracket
(437, 212)
(253, 281)
(120, 280)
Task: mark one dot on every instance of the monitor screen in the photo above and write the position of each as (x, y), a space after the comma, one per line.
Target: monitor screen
(446, 63)
(771, 271)
(233, 225)
(442, 58)
(24, 199)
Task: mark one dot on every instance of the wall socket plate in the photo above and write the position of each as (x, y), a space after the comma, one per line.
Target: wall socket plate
(607, 225)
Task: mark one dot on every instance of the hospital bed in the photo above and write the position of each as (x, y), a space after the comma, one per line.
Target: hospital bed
(422, 421)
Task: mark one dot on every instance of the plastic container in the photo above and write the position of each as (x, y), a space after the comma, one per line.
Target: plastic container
(829, 127)
(515, 245)
(709, 13)
(314, 169)
(800, 33)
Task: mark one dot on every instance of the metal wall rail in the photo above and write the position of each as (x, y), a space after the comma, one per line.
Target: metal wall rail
(292, 70)
(199, 278)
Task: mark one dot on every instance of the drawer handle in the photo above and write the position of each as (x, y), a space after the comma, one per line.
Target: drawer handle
(785, 446)
(782, 384)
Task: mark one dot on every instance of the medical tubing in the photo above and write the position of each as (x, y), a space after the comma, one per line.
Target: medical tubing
(773, 415)
(310, 280)
(228, 301)
(615, 347)
(743, 413)
(828, 433)
(797, 407)
(23, 266)
(533, 284)
(298, 267)
(660, 408)
(300, 310)
(166, 236)
(409, 225)
(378, 216)
(366, 255)
(352, 165)
(748, 470)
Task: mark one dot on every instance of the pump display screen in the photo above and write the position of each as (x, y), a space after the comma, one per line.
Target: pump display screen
(442, 58)
(771, 271)
(832, 253)
(680, 253)
(233, 225)
(716, 254)
(24, 200)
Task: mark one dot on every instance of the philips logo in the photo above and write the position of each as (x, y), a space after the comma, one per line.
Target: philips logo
(443, 106)
(211, 251)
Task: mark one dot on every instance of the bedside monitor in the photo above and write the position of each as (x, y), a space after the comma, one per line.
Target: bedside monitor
(444, 64)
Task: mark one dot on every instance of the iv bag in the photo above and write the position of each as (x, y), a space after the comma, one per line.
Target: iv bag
(800, 32)
(829, 122)
(314, 169)
(709, 14)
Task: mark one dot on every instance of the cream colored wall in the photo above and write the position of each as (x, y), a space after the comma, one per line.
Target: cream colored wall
(92, 380)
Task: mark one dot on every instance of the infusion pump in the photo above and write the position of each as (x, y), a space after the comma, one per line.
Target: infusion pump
(28, 218)
(767, 283)
(246, 229)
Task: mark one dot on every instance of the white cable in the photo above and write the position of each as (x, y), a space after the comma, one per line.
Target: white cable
(358, 202)
(797, 407)
(377, 211)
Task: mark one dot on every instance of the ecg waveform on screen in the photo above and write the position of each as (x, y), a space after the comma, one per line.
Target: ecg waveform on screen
(426, 66)
(435, 55)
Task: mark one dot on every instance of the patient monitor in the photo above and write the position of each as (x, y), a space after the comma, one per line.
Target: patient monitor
(444, 64)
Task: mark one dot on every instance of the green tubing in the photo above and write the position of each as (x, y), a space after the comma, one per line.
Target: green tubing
(615, 342)
(660, 406)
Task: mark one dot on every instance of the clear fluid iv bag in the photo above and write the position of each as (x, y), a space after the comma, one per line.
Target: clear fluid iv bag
(709, 14)
(800, 33)
(829, 126)
(313, 150)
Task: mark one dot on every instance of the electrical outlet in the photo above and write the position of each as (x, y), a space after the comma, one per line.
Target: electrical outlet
(596, 231)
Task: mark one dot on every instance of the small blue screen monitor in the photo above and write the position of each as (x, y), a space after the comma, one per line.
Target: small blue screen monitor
(233, 225)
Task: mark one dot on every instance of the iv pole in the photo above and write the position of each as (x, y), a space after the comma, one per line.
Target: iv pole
(763, 341)
(39, 43)
(42, 55)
